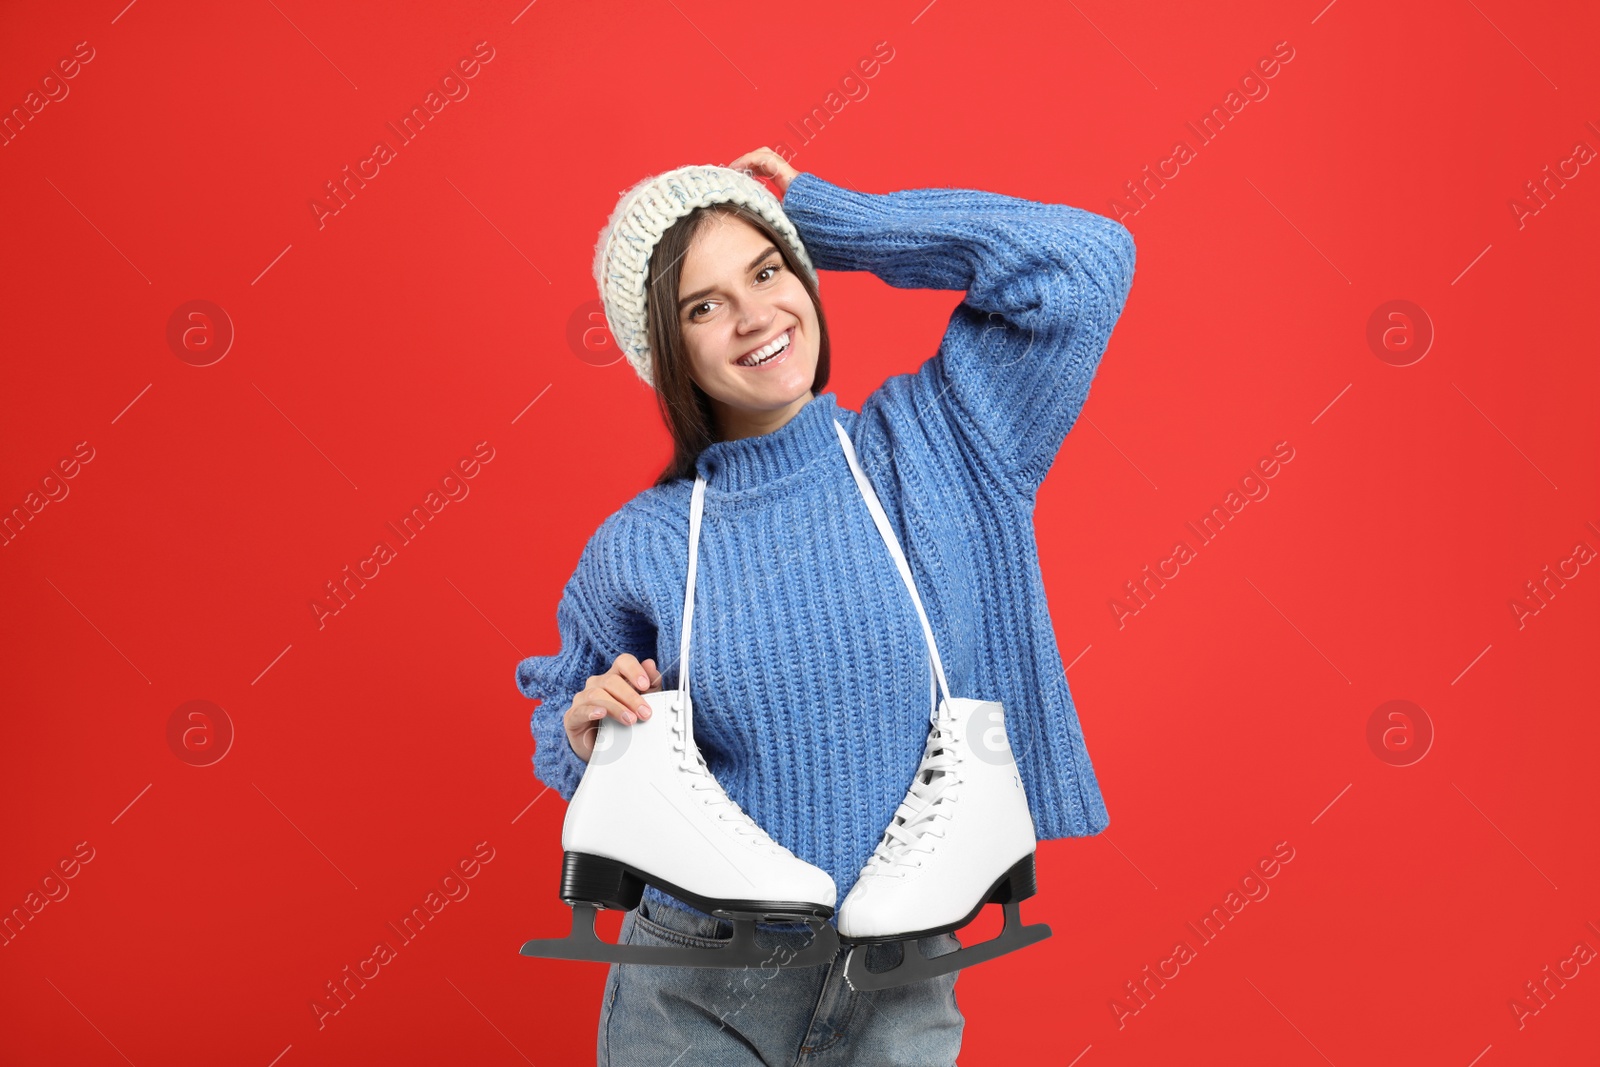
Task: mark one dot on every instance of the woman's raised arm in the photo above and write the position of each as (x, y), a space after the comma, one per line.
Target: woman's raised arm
(1045, 284)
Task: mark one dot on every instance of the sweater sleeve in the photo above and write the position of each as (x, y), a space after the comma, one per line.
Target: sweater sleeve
(1045, 284)
(598, 620)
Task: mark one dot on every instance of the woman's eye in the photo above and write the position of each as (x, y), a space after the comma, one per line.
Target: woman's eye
(694, 312)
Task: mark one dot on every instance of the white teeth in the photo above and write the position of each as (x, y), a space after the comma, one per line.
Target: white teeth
(762, 355)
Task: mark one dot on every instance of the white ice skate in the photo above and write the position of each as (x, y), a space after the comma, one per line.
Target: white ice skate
(648, 810)
(962, 838)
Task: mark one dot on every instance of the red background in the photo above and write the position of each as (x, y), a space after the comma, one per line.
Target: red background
(435, 311)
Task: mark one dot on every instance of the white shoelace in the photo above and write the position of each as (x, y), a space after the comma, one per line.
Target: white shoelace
(929, 799)
(711, 790)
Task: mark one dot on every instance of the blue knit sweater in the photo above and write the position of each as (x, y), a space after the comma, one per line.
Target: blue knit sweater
(810, 670)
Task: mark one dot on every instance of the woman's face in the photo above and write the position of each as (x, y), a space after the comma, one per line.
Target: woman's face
(735, 297)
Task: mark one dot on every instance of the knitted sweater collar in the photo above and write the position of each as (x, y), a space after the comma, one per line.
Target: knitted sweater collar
(750, 462)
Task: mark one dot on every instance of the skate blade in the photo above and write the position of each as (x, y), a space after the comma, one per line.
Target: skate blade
(583, 943)
(915, 967)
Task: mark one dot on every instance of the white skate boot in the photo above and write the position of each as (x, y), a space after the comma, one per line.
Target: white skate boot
(648, 810)
(962, 838)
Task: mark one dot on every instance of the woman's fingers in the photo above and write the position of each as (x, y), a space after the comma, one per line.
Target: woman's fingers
(596, 702)
(653, 675)
(626, 666)
(583, 718)
(615, 693)
(768, 164)
(624, 698)
(580, 731)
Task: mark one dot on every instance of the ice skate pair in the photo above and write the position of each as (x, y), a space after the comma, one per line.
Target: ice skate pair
(962, 837)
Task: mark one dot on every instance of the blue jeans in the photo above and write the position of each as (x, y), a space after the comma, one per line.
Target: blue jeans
(768, 1015)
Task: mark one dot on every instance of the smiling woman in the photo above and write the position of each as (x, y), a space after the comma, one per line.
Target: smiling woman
(798, 541)
(724, 283)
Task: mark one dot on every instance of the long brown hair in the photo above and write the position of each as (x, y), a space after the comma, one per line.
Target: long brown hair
(684, 405)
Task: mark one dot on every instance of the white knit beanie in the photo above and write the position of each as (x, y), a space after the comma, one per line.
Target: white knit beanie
(622, 254)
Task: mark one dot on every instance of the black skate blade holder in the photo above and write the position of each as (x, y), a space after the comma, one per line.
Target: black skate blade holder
(1012, 888)
(584, 943)
(915, 967)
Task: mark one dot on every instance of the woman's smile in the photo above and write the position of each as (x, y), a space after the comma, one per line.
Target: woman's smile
(772, 360)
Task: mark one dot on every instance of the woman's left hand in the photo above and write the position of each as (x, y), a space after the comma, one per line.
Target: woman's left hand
(765, 163)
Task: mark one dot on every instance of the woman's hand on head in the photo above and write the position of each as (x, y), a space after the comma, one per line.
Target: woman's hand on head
(614, 693)
(765, 163)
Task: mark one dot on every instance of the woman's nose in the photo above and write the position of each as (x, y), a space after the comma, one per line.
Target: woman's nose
(754, 318)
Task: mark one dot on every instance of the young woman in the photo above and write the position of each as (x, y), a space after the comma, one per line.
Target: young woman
(810, 666)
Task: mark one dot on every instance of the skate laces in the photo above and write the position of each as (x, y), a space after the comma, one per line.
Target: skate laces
(931, 793)
(710, 790)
